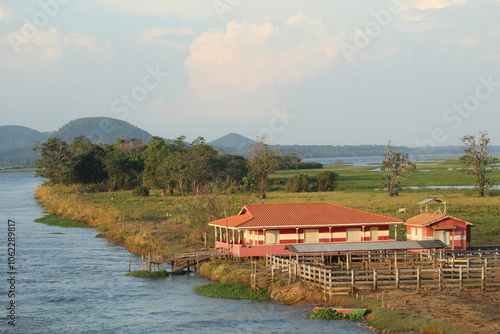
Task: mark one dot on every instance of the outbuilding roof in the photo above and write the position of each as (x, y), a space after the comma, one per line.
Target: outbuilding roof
(299, 215)
(365, 246)
(427, 218)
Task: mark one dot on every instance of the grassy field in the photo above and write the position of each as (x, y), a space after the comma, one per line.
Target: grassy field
(160, 224)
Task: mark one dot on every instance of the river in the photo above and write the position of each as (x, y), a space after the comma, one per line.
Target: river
(65, 280)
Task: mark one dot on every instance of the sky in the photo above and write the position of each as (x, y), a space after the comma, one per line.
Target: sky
(325, 72)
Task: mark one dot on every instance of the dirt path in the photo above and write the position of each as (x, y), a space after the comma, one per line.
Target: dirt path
(475, 312)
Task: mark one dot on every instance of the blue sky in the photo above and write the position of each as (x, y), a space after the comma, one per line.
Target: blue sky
(423, 72)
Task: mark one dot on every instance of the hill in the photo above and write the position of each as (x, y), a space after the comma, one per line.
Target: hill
(231, 140)
(16, 145)
(101, 129)
(18, 137)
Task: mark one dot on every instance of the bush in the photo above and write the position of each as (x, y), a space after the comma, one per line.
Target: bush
(300, 183)
(145, 273)
(141, 191)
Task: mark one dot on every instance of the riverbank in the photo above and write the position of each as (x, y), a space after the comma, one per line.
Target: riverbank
(428, 312)
(158, 224)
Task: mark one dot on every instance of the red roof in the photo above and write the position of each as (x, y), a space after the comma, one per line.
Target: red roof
(300, 214)
(427, 218)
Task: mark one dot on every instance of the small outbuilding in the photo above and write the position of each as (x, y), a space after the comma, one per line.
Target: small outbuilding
(261, 229)
(453, 232)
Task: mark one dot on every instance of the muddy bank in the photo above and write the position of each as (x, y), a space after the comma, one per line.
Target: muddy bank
(472, 312)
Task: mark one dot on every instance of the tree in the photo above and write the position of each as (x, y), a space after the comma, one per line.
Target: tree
(213, 203)
(475, 161)
(200, 158)
(54, 161)
(124, 164)
(326, 180)
(299, 183)
(156, 174)
(263, 161)
(395, 167)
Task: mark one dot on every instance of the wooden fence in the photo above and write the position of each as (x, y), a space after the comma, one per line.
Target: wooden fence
(341, 281)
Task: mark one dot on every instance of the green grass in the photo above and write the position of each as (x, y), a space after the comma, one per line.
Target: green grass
(233, 291)
(55, 220)
(145, 273)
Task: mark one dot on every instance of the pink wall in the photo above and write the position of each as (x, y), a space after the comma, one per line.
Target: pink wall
(460, 235)
(340, 229)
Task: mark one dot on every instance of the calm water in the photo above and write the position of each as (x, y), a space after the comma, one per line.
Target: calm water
(69, 281)
(376, 160)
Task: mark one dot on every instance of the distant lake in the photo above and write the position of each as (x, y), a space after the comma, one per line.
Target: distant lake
(376, 160)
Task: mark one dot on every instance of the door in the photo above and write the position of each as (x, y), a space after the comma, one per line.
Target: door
(373, 233)
(311, 236)
(272, 237)
(353, 234)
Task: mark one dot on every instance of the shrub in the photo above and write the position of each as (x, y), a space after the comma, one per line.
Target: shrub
(141, 191)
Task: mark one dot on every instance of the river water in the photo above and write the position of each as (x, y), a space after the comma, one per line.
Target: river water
(65, 280)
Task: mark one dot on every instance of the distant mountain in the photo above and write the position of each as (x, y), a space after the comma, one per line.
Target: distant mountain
(19, 137)
(101, 129)
(16, 145)
(231, 140)
(17, 142)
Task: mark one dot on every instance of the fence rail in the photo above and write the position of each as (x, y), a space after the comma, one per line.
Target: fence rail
(460, 275)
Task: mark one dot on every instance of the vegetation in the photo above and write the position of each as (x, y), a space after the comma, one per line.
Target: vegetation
(263, 162)
(55, 220)
(328, 313)
(167, 224)
(476, 161)
(234, 291)
(395, 167)
(145, 273)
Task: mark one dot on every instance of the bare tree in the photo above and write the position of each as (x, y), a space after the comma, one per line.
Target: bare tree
(475, 162)
(395, 167)
(263, 161)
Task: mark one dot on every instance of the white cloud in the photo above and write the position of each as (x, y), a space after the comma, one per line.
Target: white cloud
(174, 38)
(235, 72)
(4, 12)
(32, 52)
(436, 4)
(185, 9)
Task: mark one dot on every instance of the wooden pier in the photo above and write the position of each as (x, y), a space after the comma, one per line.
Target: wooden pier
(179, 261)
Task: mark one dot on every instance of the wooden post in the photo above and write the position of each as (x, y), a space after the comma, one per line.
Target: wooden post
(440, 278)
(418, 279)
(375, 280)
(352, 281)
(483, 279)
(397, 277)
(461, 278)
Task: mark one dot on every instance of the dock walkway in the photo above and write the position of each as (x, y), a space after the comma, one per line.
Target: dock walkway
(179, 261)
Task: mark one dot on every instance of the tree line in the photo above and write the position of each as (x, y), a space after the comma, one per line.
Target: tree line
(169, 167)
